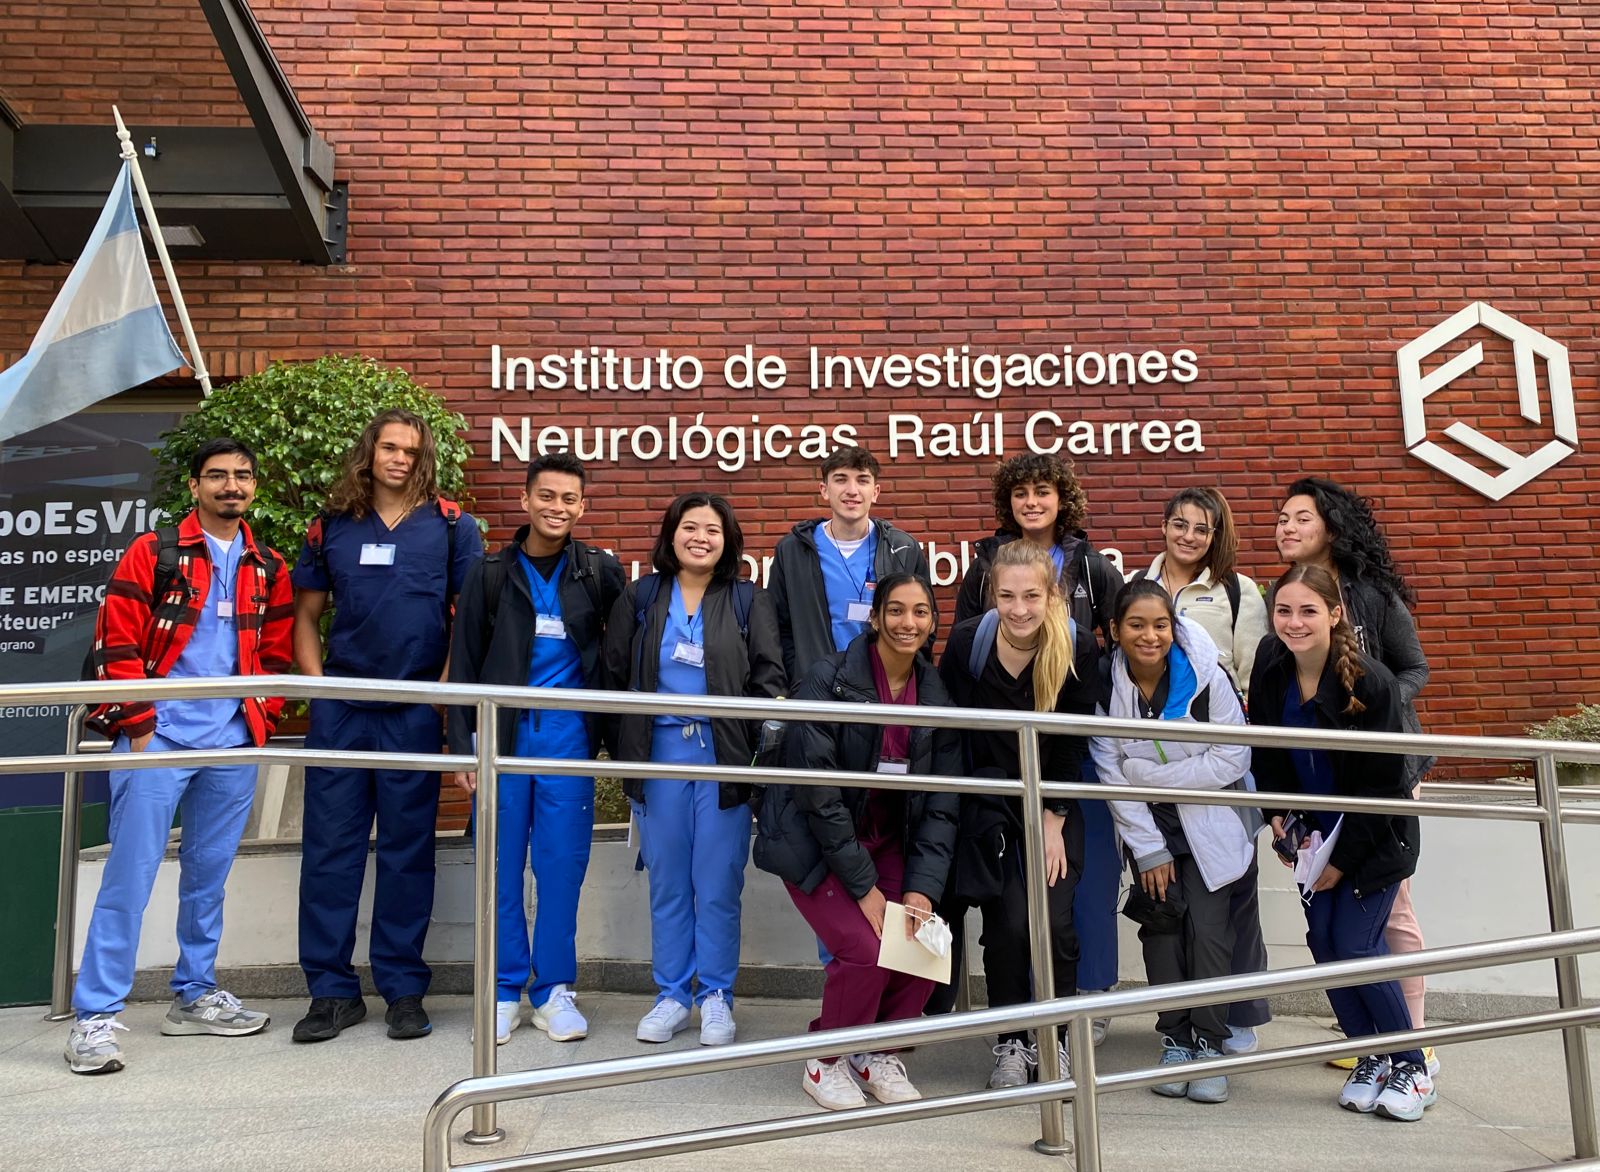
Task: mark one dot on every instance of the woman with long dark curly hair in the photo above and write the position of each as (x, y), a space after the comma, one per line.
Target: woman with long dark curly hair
(1325, 524)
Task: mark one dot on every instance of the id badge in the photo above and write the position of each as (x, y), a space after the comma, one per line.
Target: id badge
(549, 626)
(691, 653)
(858, 612)
(894, 765)
(377, 555)
(224, 609)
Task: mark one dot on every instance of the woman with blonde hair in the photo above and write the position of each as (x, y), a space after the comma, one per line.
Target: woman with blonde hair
(1024, 654)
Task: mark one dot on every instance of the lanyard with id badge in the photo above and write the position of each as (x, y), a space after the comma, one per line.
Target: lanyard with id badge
(859, 608)
(547, 621)
(692, 651)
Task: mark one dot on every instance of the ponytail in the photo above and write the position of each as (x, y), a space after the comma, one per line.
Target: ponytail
(1343, 650)
(1054, 659)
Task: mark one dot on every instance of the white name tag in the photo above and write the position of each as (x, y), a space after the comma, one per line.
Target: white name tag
(377, 555)
(224, 609)
(894, 765)
(691, 653)
(549, 626)
(858, 612)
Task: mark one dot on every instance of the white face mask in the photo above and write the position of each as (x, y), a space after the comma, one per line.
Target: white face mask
(934, 935)
(1307, 852)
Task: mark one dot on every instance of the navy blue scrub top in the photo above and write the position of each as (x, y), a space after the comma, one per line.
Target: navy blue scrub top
(1312, 766)
(390, 622)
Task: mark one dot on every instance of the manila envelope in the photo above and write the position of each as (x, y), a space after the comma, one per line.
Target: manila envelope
(908, 956)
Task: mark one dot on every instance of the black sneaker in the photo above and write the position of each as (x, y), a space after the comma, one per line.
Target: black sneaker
(407, 1018)
(327, 1016)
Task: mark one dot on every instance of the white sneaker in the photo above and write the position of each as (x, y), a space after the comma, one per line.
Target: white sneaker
(507, 1017)
(92, 1045)
(665, 1019)
(1014, 1061)
(1408, 1093)
(830, 1084)
(1365, 1084)
(884, 1077)
(716, 1021)
(559, 1016)
(1241, 1040)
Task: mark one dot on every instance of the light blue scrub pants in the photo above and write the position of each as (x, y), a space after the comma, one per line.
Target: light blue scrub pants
(555, 817)
(696, 855)
(216, 803)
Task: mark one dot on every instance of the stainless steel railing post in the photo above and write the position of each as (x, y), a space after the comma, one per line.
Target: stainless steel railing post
(67, 880)
(1558, 890)
(1085, 1104)
(1052, 1123)
(486, 836)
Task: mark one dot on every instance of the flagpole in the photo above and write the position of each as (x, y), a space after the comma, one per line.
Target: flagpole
(132, 156)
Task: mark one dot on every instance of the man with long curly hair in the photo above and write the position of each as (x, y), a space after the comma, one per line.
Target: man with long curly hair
(393, 555)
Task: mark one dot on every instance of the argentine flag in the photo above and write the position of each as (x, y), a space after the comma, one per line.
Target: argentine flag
(105, 333)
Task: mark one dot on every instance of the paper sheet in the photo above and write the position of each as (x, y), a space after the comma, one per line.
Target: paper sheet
(1319, 860)
(908, 956)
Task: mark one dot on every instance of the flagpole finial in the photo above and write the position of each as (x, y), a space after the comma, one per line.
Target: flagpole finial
(123, 136)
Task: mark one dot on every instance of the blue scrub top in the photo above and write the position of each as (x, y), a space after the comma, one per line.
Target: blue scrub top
(390, 622)
(1311, 766)
(212, 650)
(846, 580)
(675, 677)
(552, 663)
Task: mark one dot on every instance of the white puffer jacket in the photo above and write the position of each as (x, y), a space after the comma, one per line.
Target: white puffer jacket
(1218, 840)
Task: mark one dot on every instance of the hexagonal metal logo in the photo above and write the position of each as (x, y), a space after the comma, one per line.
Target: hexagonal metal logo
(1528, 346)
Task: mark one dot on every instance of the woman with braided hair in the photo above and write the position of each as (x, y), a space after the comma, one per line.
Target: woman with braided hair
(1314, 675)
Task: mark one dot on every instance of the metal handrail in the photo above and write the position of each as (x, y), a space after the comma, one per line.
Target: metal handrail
(1032, 789)
(1039, 1016)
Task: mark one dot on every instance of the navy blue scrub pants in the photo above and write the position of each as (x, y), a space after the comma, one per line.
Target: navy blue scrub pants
(1094, 911)
(1341, 926)
(339, 808)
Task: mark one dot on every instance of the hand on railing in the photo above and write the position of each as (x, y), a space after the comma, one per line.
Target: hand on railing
(467, 783)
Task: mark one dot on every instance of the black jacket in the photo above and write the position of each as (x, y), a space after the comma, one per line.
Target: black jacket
(801, 599)
(734, 667)
(1088, 579)
(1374, 850)
(806, 831)
(485, 650)
(1061, 757)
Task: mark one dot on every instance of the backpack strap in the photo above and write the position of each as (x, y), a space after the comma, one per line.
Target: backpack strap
(983, 642)
(1231, 586)
(166, 564)
(451, 512)
(316, 534)
(644, 597)
(744, 597)
(494, 584)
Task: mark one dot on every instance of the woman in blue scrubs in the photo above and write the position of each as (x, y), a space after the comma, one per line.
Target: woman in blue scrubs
(693, 629)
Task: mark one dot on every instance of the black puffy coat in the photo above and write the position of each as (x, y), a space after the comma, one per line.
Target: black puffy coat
(1374, 850)
(806, 831)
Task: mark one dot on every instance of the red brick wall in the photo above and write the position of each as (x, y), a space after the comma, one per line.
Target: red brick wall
(1292, 190)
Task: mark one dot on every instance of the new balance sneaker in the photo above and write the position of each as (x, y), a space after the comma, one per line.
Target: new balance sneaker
(217, 1012)
(1172, 1054)
(507, 1017)
(407, 1019)
(1365, 1084)
(1213, 1088)
(1241, 1040)
(1014, 1061)
(830, 1084)
(92, 1045)
(716, 1020)
(883, 1076)
(559, 1016)
(327, 1017)
(666, 1018)
(1408, 1093)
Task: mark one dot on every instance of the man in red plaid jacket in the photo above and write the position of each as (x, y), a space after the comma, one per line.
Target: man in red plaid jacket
(222, 606)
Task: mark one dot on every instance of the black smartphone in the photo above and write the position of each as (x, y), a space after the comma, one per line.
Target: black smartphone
(1294, 834)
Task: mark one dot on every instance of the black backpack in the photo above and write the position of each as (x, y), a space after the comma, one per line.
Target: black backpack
(495, 570)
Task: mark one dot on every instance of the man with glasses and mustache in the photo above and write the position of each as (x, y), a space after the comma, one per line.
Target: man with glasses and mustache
(198, 600)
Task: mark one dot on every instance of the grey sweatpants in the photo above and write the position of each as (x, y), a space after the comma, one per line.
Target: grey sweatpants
(1203, 948)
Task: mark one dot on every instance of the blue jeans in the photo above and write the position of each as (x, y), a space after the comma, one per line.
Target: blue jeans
(215, 802)
(1341, 927)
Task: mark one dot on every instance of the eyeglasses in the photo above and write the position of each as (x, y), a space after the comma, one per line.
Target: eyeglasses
(1179, 526)
(218, 479)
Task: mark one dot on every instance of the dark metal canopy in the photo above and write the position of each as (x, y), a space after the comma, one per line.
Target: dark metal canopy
(260, 192)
